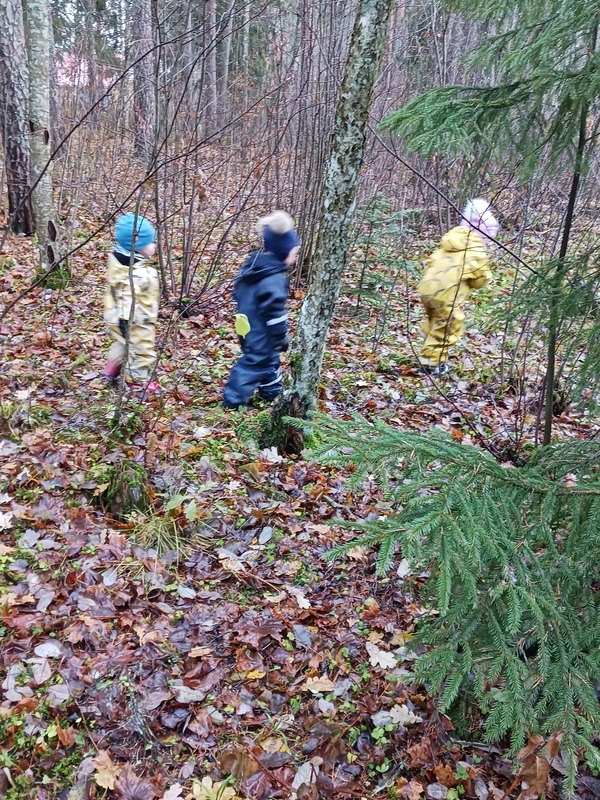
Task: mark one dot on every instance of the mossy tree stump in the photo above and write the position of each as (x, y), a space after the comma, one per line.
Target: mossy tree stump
(128, 489)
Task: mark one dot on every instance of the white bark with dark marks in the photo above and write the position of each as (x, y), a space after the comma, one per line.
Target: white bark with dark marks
(37, 26)
(14, 108)
(341, 179)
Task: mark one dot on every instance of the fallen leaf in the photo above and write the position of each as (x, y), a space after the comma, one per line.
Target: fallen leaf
(66, 736)
(6, 520)
(183, 694)
(106, 772)
(81, 791)
(252, 469)
(358, 553)
(380, 658)
(40, 670)
(110, 577)
(399, 639)
(316, 685)
(238, 763)
(130, 787)
(480, 789)
(271, 455)
(206, 789)
(155, 699)
(265, 535)
(401, 715)
(44, 598)
(534, 778)
(307, 774)
(175, 792)
(298, 596)
(48, 649)
(58, 694)
(445, 774)
(403, 569)
(255, 674)
(436, 791)
(199, 652)
(412, 790)
(274, 744)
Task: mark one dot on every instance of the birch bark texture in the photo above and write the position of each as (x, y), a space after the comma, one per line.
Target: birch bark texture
(14, 107)
(339, 199)
(37, 27)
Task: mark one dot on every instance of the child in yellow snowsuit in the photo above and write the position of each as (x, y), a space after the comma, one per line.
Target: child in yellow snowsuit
(458, 265)
(137, 318)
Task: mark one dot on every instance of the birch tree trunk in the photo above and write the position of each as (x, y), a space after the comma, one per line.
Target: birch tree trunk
(341, 179)
(144, 106)
(14, 107)
(37, 26)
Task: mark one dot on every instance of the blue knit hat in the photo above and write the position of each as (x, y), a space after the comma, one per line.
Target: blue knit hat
(278, 233)
(124, 232)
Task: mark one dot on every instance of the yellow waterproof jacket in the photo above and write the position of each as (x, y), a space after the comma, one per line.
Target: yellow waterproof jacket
(117, 299)
(457, 265)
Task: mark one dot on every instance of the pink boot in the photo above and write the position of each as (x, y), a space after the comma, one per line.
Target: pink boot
(111, 372)
(112, 369)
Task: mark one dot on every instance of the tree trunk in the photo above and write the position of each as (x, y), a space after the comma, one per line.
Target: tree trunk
(558, 280)
(560, 274)
(89, 49)
(56, 124)
(210, 64)
(37, 20)
(341, 178)
(224, 56)
(144, 111)
(14, 107)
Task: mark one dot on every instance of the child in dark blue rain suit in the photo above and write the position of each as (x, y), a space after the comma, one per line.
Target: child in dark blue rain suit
(261, 292)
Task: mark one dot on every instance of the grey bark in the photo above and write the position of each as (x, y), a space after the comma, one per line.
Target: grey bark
(224, 57)
(144, 105)
(56, 127)
(37, 26)
(341, 179)
(210, 63)
(89, 49)
(14, 106)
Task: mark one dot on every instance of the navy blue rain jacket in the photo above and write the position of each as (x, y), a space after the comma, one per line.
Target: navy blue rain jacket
(261, 290)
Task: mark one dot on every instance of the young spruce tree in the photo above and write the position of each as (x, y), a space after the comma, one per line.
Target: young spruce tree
(512, 557)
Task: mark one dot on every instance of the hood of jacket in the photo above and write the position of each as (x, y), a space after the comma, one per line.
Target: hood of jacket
(460, 238)
(258, 266)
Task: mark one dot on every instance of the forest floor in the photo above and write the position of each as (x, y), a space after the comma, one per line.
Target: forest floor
(247, 660)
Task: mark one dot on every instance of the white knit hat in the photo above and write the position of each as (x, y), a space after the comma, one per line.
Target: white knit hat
(278, 233)
(477, 214)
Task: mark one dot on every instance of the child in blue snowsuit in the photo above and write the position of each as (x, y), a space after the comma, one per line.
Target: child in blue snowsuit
(261, 291)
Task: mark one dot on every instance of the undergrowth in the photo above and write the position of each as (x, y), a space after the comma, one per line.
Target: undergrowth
(513, 561)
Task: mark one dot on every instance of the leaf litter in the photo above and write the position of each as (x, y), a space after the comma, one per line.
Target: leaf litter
(248, 656)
